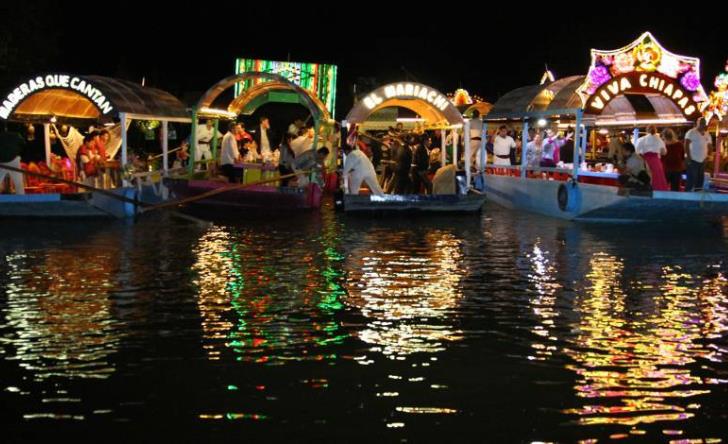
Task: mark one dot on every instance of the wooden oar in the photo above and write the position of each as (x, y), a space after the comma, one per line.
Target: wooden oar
(71, 182)
(219, 191)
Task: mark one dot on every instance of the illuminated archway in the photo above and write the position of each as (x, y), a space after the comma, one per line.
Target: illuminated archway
(430, 104)
(275, 83)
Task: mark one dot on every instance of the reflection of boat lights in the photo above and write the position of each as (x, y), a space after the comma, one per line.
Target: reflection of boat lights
(247, 303)
(63, 319)
(640, 358)
(407, 294)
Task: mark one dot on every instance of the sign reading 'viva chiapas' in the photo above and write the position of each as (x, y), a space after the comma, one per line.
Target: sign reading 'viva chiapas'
(644, 67)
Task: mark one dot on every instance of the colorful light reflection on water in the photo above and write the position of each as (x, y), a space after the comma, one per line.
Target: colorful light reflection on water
(511, 327)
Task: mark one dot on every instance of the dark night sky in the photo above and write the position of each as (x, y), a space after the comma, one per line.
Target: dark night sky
(188, 46)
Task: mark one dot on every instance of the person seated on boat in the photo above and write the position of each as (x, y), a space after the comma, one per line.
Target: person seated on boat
(11, 148)
(651, 148)
(182, 156)
(444, 180)
(358, 168)
(502, 146)
(534, 150)
(230, 155)
(634, 174)
(309, 167)
(88, 161)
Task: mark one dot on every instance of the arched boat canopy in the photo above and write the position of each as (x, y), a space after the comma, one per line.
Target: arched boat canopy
(430, 104)
(253, 97)
(88, 97)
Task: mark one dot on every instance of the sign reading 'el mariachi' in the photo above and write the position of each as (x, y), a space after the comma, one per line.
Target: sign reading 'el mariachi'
(642, 83)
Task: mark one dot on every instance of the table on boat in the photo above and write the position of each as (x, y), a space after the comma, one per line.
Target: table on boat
(254, 172)
(599, 178)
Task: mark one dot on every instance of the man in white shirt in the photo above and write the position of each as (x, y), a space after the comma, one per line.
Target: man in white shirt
(230, 154)
(651, 143)
(302, 143)
(502, 145)
(204, 141)
(360, 169)
(697, 147)
(262, 138)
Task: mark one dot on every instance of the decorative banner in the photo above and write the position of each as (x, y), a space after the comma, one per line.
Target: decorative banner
(54, 81)
(318, 79)
(717, 104)
(461, 97)
(643, 66)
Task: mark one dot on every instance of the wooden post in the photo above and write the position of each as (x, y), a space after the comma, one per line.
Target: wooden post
(165, 147)
(213, 141)
(193, 143)
(47, 141)
(124, 145)
(443, 156)
(577, 144)
(468, 151)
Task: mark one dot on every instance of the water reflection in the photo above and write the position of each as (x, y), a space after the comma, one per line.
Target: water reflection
(268, 299)
(58, 316)
(406, 286)
(641, 330)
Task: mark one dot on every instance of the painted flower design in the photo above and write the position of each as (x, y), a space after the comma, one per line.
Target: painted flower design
(623, 63)
(670, 66)
(690, 81)
(598, 76)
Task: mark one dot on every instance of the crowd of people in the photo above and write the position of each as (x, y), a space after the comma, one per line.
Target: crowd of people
(293, 156)
(657, 161)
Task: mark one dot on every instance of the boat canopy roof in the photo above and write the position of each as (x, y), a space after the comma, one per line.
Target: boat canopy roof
(433, 107)
(89, 97)
(275, 88)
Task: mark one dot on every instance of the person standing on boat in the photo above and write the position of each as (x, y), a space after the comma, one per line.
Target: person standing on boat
(402, 181)
(502, 146)
(697, 146)
(614, 154)
(205, 134)
(534, 150)
(420, 168)
(674, 161)
(11, 147)
(285, 161)
(651, 147)
(262, 138)
(358, 168)
(230, 154)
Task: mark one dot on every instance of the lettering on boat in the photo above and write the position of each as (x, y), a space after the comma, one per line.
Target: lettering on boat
(54, 81)
(406, 91)
(646, 83)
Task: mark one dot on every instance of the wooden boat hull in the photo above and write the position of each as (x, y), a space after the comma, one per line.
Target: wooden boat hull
(413, 203)
(599, 203)
(263, 197)
(71, 206)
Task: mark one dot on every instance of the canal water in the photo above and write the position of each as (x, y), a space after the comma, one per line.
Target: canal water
(505, 327)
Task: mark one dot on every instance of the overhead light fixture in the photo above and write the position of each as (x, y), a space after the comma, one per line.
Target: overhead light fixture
(541, 123)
